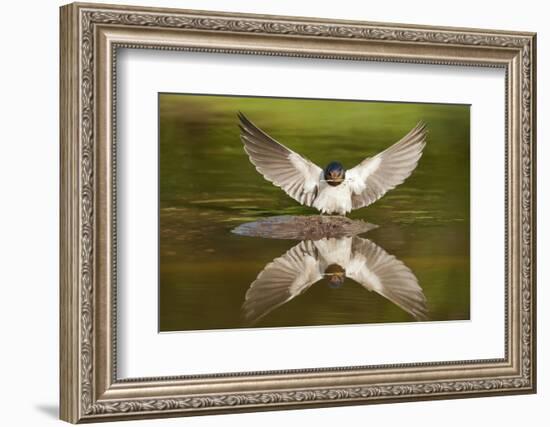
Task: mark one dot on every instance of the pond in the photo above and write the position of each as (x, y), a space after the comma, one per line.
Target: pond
(208, 187)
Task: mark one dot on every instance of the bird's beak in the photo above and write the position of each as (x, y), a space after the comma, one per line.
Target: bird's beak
(335, 177)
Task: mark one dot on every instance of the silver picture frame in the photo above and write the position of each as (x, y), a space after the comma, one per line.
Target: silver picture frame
(90, 37)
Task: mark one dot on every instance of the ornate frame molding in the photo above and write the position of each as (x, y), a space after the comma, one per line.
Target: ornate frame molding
(90, 36)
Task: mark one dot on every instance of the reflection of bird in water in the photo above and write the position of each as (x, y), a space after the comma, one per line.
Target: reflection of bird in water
(334, 259)
(332, 190)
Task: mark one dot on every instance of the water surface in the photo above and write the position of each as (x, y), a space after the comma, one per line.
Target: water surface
(208, 187)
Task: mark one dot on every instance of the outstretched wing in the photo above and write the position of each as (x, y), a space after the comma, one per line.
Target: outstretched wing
(281, 280)
(378, 271)
(375, 176)
(297, 176)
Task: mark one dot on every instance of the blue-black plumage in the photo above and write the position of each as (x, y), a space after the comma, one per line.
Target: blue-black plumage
(334, 174)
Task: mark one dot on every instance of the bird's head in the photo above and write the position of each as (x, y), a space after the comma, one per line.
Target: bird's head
(334, 173)
(336, 275)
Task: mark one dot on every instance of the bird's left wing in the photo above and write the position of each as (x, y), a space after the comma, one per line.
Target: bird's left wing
(296, 175)
(281, 280)
(375, 176)
(378, 271)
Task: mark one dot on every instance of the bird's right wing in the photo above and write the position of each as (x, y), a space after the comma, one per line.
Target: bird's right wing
(296, 175)
(378, 271)
(375, 176)
(281, 280)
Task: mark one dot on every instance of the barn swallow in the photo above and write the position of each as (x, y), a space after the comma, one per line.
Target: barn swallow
(332, 190)
(333, 260)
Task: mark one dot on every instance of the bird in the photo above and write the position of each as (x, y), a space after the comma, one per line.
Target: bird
(333, 259)
(332, 190)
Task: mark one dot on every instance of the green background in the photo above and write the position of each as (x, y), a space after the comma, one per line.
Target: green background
(208, 187)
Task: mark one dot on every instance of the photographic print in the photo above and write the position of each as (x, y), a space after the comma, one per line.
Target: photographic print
(310, 195)
(279, 212)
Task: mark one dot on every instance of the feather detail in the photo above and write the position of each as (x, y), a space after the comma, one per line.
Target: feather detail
(375, 176)
(296, 175)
